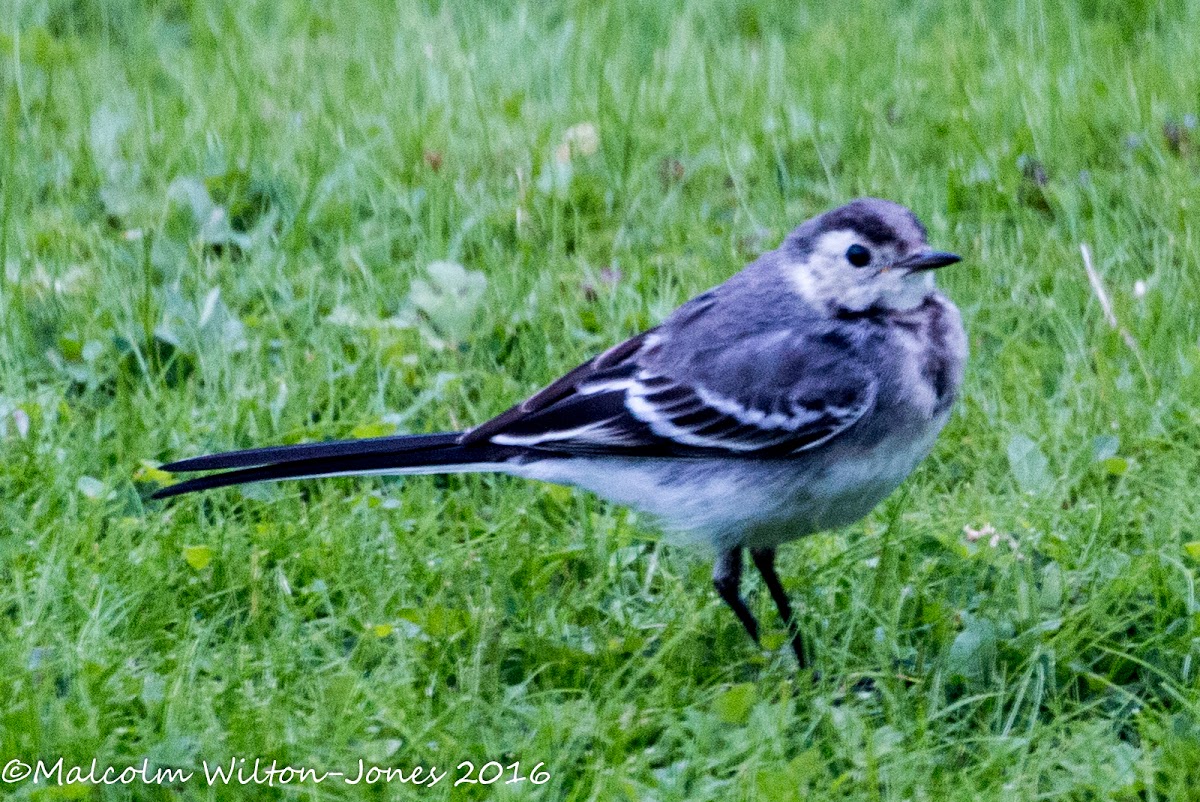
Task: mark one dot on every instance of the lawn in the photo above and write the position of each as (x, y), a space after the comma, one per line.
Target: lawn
(234, 223)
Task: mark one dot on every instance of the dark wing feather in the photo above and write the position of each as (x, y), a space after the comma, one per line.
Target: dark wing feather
(612, 362)
(626, 402)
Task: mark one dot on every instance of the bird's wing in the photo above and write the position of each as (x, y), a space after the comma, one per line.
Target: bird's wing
(774, 394)
(614, 363)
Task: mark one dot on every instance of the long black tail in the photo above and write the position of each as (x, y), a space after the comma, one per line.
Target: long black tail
(420, 453)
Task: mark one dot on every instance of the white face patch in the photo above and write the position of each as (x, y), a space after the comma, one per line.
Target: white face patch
(827, 277)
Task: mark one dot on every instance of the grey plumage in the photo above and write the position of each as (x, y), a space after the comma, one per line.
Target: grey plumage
(788, 400)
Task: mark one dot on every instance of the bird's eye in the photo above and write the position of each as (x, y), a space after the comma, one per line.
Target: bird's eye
(857, 255)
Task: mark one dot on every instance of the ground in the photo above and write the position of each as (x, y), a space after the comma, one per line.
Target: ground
(236, 223)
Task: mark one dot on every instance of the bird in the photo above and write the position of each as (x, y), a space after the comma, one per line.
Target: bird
(789, 400)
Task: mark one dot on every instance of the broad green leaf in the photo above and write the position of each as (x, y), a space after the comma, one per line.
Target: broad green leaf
(198, 556)
(734, 704)
(149, 472)
(774, 639)
(1116, 466)
(1029, 465)
(376, 429)
(449, 299)
(779, 785)
(973, 650)
(1051, 595)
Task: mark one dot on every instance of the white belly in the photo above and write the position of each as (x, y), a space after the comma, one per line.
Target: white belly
(729, 502)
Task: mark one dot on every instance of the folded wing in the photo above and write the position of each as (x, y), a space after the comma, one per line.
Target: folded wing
(629, 402)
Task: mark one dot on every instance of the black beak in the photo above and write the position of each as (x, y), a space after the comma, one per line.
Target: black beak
(928, 260)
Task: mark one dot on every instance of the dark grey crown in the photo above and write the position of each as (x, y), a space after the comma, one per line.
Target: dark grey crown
(879, 221)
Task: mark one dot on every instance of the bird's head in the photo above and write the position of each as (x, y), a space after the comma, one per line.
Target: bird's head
(870, 253)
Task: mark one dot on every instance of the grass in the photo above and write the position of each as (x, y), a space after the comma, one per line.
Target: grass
(228, 223)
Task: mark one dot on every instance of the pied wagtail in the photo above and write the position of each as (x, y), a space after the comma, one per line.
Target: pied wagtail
(791, 399)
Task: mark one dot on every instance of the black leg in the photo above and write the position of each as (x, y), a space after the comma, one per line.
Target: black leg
(764, 561)
(727, 579)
